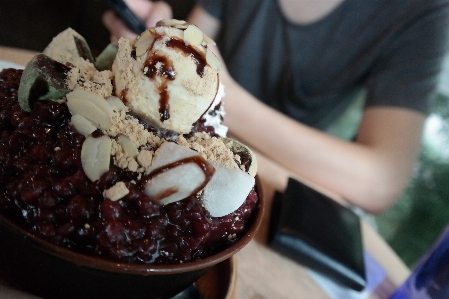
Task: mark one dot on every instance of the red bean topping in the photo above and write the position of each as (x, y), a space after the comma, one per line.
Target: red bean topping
(44, 189)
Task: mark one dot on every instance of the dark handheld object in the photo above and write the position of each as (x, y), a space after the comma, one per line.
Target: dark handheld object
(127, 16)
(318, 232)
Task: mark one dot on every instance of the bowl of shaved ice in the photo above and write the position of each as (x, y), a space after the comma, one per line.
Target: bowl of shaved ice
(118, 179)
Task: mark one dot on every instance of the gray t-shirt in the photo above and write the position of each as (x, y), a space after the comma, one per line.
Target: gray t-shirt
(391, 48)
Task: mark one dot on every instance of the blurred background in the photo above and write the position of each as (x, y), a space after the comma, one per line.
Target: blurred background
(31, 24)
(419, 217)
(410, 227)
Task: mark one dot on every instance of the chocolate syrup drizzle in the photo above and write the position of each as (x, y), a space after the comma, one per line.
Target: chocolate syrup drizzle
(202, 163)
(158, 65)
(191, 51)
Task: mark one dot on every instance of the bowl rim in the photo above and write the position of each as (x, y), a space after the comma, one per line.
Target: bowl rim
(103, 264)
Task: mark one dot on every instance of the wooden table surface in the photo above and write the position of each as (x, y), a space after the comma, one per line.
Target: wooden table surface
(262, 273)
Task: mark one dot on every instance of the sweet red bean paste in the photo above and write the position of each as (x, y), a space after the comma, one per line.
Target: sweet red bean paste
(44, 190)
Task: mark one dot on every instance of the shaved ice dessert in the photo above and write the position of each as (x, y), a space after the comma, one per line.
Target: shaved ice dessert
(126, 160)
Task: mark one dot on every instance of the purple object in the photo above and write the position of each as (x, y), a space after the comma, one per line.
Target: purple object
(430, 278)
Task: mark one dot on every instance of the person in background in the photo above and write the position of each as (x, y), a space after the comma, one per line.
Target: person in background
(293, 67)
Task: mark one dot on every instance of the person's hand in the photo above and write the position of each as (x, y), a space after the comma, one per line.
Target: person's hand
(148, 11)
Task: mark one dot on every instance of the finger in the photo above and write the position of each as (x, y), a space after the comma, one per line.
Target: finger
(160, 10)
(116, 26)
(140, 8)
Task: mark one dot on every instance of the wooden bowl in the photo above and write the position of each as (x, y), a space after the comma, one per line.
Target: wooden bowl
(220, 281)
(38, 267)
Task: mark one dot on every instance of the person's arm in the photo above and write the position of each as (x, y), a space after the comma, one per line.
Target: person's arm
(370, 173)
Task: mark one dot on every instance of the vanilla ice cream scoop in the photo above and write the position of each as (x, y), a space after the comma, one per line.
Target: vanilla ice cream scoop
(168, 75)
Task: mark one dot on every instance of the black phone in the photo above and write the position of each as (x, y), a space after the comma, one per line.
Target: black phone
(127, 16)
(318, 232)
